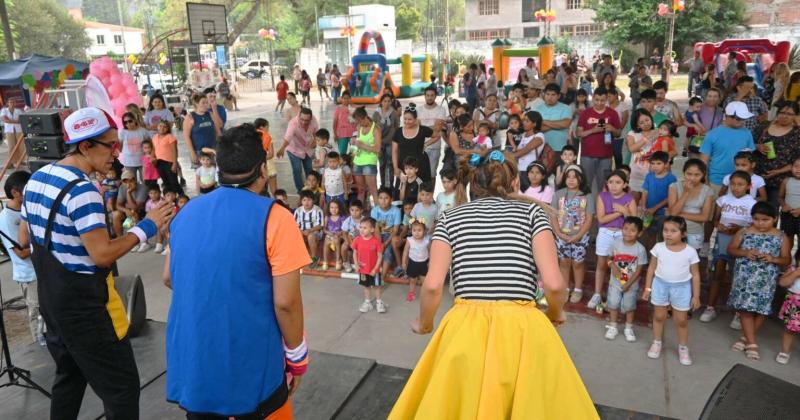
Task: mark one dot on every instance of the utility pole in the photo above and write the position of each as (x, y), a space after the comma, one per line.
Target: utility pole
(122, 29)
(668, 53)
(446, 41)
(7, 31)
(268, 5)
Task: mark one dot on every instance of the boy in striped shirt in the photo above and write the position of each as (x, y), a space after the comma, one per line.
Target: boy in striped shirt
(309, 219)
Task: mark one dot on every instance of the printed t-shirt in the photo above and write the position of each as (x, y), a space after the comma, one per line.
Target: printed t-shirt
(387, 219)
(628, 257)
(368, 251)
(735, 211)
(573, 208)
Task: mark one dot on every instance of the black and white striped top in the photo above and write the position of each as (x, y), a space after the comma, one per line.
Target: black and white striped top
(491, 243)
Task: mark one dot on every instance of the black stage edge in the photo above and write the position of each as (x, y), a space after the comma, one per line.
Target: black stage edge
(336, 386)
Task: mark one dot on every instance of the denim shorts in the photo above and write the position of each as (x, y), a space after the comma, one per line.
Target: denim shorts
(619, 300)
(677, 295)
(388, 253)
(721, 247)
(605, 240)
(365, 170)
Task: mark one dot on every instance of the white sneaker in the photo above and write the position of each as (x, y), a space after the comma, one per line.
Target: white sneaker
(365, 307)
(736, 323)
(629, 335)
(159, 248)
(708, 315)
(348, 267)
(683, 356)
(380, 306)
(594, 301)
(143, 247)
(611, 332)
(655, 350)
(166, 251)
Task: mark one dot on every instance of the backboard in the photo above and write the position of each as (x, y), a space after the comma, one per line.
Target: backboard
(207, 23)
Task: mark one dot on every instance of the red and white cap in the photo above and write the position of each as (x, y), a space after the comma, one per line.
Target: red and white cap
(87, 123)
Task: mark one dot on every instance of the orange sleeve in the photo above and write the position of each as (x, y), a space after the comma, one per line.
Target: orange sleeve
(285, 247)
(266, 140)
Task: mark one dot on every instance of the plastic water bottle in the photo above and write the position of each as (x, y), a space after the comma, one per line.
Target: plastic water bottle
(607, 138)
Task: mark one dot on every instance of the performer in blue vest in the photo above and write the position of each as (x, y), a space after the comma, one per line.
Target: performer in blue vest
(235, 325)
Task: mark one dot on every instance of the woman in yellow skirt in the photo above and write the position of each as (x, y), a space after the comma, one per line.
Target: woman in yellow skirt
(495, 355)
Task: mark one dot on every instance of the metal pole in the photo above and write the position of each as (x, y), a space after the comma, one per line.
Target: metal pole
(7, 35)
(171, 65)
(668, 53)
(122, 29)
(271, 44)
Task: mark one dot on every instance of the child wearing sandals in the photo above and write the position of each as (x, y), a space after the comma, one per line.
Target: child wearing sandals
(760, 250)
(673, 279)
(790, 313)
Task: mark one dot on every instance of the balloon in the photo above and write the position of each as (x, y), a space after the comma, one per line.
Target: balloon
(115, 90)
(69, 69)
(263, 33)
(115, 79)
(663, 9)
(45, 77)
(28, 80)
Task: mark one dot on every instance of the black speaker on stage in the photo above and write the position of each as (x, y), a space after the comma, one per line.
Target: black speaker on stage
(745, 393)
(43, 121)
(45, 146)
(131, 291)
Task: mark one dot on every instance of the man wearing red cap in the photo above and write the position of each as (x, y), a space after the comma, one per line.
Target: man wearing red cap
(64, 221)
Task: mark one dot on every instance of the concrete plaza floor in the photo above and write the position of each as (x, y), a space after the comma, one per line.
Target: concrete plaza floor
(616, 373)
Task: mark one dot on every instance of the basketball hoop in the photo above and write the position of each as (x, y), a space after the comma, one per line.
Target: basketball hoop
(207, 23)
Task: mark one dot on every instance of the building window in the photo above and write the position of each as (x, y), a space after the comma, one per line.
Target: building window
(488, 34)
(531, 32)
(101, 40)
(489, 7)
(529, 7)
(118, 39)
(580, 30)
(575, 4)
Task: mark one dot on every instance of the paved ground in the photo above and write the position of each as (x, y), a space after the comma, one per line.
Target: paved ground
(616, 373)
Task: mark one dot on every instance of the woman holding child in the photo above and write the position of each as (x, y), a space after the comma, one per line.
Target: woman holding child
(494, 344)
(640, 142)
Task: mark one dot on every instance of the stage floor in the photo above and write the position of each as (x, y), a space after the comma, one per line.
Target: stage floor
(336, 387)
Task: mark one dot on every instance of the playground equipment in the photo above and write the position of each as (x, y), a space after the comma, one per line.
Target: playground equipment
(373, 69)
(761, 52)
(508, 61)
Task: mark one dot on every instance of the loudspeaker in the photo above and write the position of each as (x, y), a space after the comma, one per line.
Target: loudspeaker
(44, 121)
(45, 146)
(36, 164)
(131, 291)
(745, 393)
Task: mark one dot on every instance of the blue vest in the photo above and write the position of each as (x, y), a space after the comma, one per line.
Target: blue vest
(224, 349)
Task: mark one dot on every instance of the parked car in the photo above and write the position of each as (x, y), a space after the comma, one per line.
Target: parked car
(255, 69)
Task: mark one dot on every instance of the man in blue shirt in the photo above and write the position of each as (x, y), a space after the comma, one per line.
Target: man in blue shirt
(556, 117)
(724, 142)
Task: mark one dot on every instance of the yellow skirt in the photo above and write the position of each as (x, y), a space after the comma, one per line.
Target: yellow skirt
(494, 360)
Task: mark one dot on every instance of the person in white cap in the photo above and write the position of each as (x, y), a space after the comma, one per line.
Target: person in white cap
(724, 142)
(64, 221)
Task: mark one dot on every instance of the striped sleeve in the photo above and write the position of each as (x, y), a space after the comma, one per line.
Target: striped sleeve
(441, 233)
(318, 217)
(539, 221)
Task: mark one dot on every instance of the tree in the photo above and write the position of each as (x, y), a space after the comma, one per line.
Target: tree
(44, 27)
(635, 21)
(408, 20)
(104, 11)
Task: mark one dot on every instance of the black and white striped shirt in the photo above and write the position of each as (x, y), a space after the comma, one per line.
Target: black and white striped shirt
(491, 243)
(308, 219)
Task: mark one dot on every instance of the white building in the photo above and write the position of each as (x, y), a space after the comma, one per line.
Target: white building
(106, 37)
(491, 19)
(374, 17)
